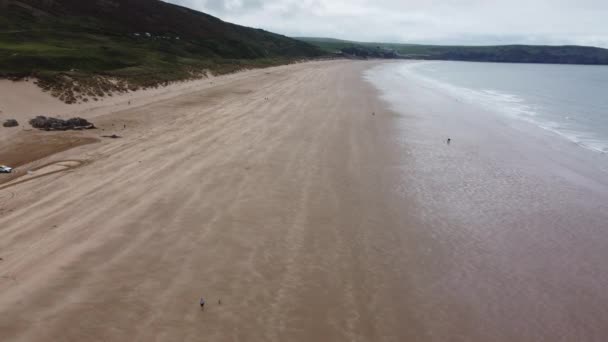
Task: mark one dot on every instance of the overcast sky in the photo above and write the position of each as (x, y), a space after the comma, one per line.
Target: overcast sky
(583, 22)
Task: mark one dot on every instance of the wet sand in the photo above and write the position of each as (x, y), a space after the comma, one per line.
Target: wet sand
(280, 194)
(518, 218)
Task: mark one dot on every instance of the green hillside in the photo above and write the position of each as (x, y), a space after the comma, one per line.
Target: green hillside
(137, 42)
(506, 53)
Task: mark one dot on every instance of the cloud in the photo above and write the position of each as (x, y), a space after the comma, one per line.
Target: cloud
(414, 21)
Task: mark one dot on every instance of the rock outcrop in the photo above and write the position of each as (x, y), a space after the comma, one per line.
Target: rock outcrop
(10, 123)
(54, 124)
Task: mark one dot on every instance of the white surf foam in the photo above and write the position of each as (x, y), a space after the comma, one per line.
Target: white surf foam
(509, 105)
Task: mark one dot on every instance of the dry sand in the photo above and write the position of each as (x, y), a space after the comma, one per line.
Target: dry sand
(270, 190)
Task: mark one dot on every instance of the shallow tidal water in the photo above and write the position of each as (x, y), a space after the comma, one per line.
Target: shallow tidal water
(568, 100)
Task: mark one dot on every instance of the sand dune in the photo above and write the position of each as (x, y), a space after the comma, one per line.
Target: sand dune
(269, 190)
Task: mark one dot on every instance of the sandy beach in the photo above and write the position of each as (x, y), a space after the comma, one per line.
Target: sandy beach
(303, 206)
(268, 190)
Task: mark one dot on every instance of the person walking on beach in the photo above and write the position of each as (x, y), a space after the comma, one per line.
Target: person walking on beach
(202, 303)
(449, 141)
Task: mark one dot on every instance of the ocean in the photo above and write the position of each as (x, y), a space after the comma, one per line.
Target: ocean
(568, 100)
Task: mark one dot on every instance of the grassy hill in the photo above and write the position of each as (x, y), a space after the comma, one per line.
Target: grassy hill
(133, 42)
(506, 53)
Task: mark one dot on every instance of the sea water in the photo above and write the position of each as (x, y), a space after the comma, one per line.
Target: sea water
(568, 100)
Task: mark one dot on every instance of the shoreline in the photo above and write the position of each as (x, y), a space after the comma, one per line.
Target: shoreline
(519, 212)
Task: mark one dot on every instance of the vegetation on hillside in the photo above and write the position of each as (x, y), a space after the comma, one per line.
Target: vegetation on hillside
(79, 49)
(506, 53)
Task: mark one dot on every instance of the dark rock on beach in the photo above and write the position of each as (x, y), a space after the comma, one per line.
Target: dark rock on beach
(54, 124)
(10, 123)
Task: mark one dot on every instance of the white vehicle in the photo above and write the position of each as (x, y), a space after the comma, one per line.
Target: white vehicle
(5, 169)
